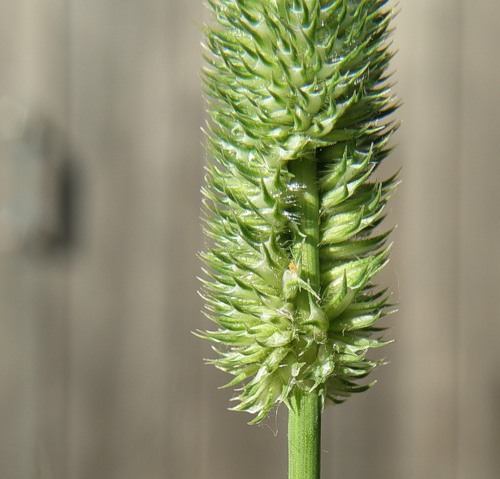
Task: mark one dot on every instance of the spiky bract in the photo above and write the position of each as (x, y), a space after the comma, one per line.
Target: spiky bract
(290, 80)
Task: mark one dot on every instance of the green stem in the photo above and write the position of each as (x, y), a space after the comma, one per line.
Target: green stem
(304, 437)
(304, 421)
(305, 175)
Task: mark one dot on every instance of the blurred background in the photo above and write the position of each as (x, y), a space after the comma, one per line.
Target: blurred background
(101, 163)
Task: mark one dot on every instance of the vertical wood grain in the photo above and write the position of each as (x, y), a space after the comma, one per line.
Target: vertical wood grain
(136, 110)
(33, 297)
(479, 379)
(427, 255)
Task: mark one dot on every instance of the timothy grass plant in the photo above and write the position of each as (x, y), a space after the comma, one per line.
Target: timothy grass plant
(299, 97)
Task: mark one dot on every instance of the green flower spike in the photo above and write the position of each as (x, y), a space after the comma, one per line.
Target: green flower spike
(298, 97)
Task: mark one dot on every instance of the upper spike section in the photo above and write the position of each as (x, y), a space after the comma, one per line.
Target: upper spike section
(290, 80)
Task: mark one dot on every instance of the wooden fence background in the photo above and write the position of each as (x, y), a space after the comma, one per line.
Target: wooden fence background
(100, 378)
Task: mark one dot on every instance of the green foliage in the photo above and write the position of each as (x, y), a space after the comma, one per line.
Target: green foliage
(292, 80)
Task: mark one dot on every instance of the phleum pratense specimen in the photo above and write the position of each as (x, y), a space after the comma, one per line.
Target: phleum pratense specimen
(298, 95)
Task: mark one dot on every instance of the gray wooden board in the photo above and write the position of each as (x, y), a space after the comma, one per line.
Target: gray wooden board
(479, 236)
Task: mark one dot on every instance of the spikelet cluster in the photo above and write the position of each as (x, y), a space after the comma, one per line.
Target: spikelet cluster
(288, 80)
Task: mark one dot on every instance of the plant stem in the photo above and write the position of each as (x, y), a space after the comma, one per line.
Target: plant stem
(304, 437)
(304, 421)
(305, 174)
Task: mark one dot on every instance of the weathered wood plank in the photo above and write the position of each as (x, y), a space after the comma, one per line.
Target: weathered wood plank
(136, 402)
(427, 255)
(33, 325)
(479, 273)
